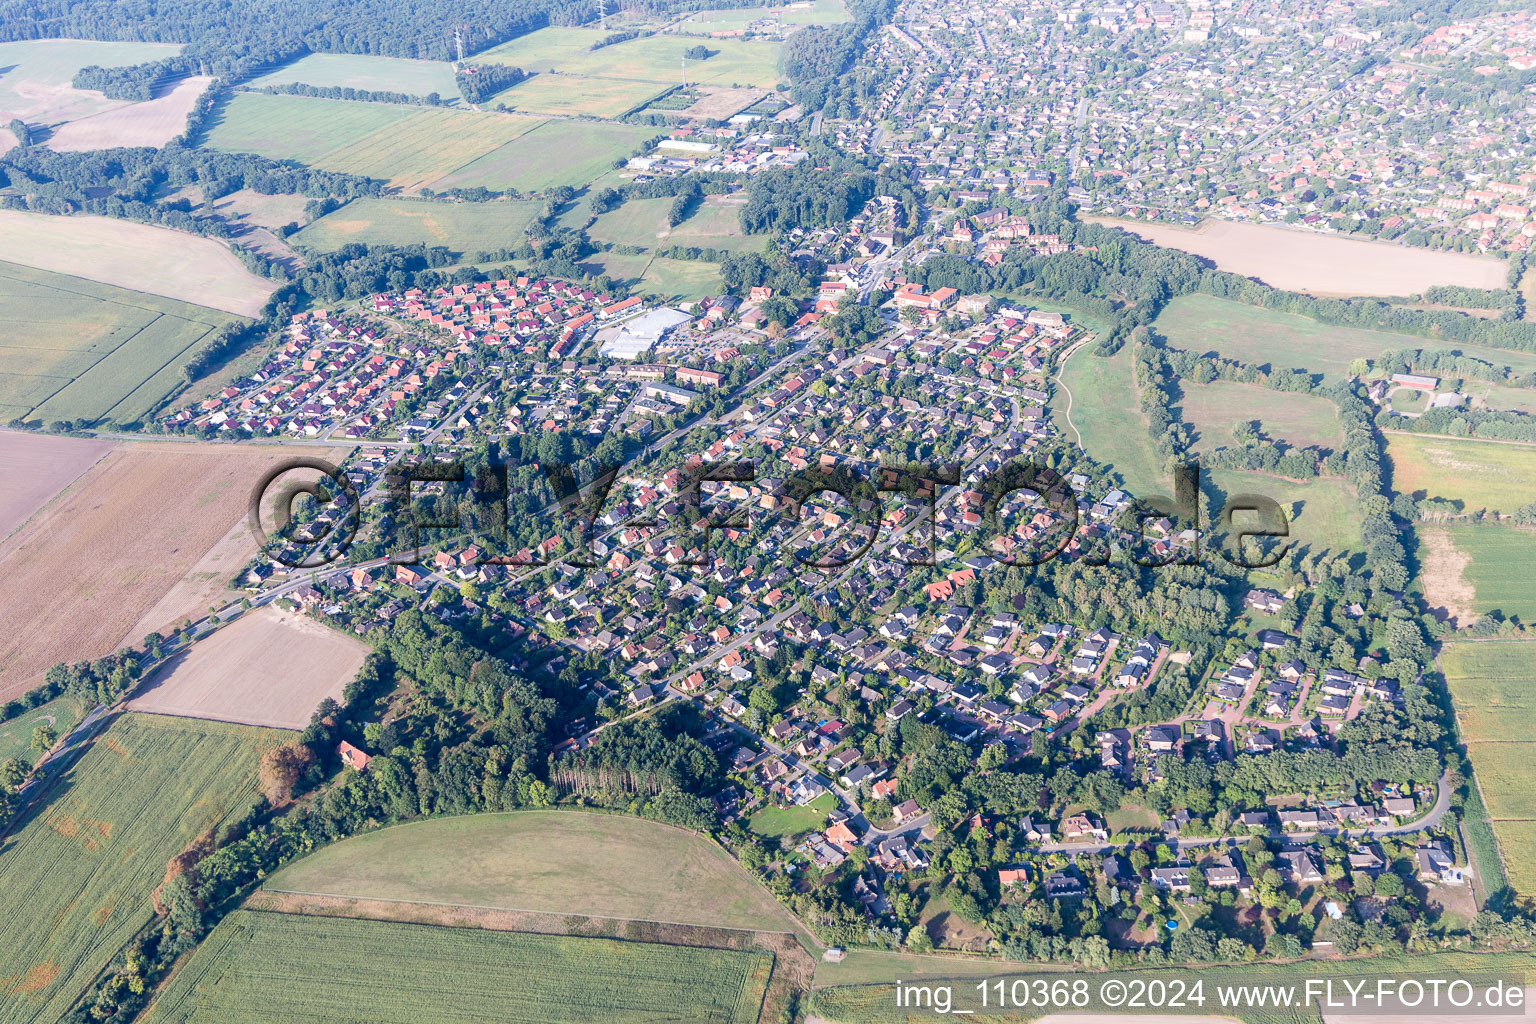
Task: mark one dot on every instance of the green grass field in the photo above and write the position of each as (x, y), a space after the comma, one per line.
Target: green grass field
(1201, 323)
(643, 222)
(76, 349)
(1321, 512)
(1481, 474)
(659, 59)
(404, 145)
(786, 822)
(1501, 565)
(262, 967)
(1491, 684)
(543, 50)
(1498, 397)
(360, 71)
(1105, 411)
(555, 153)
(1214, 409)
(556, 861)
(681, 280)
(76, 876)
(16, 735)
(815, 12)
(462, 227)
(579, 96)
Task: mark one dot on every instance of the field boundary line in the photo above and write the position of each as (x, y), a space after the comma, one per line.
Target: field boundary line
(523, 910)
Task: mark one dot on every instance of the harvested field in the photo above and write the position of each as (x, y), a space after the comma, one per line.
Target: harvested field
(264, 211)
(1483, 475)
(151, 123)
(259, 966)
(269, 667)
(721, 102)
(77, 873)
(1305, 261)
(1443, 577)
(35, 83)
(139, 257)
(550, 861)
(83, 571)
(555, 153)
(35, 467)
(362, 71)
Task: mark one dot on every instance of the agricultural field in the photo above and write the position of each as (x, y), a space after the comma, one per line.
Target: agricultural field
(269, 667)
(34, 82)
(87, 856)
(139, 257)
(407, 146)
(1214, 409)
(150, 123)
(555, 861)
(579, 96)
(259, 966)
(1483, 475)
(361, 71)
(814, 12)
(60, 714)
(659, 59)
(1202, 323)
(462, 227)
(85, 569)
(552, 154)
(1491, 685)
(1496, 396)
(544, 50)
(1469, 570)
(1322, 512)
(624, 270)
(35, 467)
(79, 350)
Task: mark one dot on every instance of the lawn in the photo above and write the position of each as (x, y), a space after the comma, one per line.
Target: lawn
(1484, 475)
(555, 861)
(261, 967)
(555, 153)
(787, 822)
(75, 349)
(462, 227)
(1214, 409)
(76, 877)
(574, 96)
(360, 71)
(1498, 562)
(1105, 411)
(1202, 323)
(16, 734)
(1491, 684)
(404, 145)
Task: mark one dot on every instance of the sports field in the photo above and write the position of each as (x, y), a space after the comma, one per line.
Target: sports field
(555, 153)
(1492, 684)
(556, 861)
(1481, 474)
(78, 350)
(406, 146)
(462, 227)
(262, 967)
(1471, 569)
(1202, 323)
(76, 877)
(360, 71)
(1214, 409)
(578, 96)
(60, 714)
